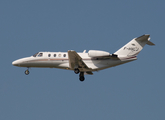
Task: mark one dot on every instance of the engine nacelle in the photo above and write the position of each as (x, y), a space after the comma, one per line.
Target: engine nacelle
(97, 53)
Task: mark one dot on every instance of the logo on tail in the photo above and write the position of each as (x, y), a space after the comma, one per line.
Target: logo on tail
(133, 47)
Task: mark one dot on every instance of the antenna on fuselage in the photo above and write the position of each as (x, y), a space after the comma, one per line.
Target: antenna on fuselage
(84, 51)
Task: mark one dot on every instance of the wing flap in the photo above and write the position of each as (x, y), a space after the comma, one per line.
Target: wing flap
(89, 73)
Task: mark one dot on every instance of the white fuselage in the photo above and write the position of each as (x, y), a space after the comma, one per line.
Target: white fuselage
(60, 60)
(85, 63)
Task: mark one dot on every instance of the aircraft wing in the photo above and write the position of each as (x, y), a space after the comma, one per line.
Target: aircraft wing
(76, 61)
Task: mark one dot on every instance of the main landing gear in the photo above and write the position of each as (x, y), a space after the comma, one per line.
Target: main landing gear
(76, 70)
(27, 72)
(81, 75)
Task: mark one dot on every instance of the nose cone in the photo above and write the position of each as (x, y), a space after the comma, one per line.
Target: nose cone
(16, 63)
(23, 62)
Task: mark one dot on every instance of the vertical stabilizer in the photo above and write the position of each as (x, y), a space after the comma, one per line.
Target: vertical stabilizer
(134, 46)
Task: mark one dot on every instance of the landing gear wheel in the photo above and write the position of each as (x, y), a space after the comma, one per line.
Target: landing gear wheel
(76, 70)
(81, 76)
(27, 72)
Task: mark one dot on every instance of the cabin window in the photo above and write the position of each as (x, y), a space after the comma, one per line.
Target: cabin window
(49, 55)
(64, 55)
(40, 54)
(54, 55)
(59, 55)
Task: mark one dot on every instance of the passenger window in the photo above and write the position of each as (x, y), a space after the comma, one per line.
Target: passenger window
(49, 55)
(54, 55)
(64, 55)
(59, 55)
(40, 54)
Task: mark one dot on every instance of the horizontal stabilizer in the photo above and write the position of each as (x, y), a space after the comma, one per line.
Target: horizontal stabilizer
(143, 38)
(150, 43)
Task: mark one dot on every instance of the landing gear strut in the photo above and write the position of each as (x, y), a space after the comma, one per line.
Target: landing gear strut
(27, 72)
(81, 76)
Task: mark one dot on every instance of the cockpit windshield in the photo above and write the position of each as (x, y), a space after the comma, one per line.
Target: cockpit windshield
(38, 54)
(35, 55)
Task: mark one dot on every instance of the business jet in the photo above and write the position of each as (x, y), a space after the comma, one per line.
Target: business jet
(85, 63)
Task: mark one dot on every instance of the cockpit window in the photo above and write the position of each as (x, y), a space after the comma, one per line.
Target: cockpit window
(40, 54)
(35, 55)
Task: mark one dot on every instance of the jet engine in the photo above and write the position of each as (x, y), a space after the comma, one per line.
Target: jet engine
(97, 53)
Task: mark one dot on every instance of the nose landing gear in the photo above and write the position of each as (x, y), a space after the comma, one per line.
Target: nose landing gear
(27, 72)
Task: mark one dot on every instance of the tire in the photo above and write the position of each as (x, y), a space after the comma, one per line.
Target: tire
(76, 71)
(82, 78)
(27, 72)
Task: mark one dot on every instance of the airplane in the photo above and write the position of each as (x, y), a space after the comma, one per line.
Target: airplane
(85, 63)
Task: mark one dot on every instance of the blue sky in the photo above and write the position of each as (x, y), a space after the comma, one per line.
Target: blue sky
(131, 91)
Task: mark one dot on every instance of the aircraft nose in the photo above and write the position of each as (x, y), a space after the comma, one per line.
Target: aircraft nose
(16, 63)
(21, 62)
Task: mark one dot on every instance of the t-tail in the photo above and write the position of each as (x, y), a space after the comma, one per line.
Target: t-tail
(133, 48)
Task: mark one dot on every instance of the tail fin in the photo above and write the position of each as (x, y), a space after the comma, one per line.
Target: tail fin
(134, 46)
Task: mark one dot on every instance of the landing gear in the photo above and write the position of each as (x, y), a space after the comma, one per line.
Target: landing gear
(76, 70)
(81, 76)
(27, 72)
